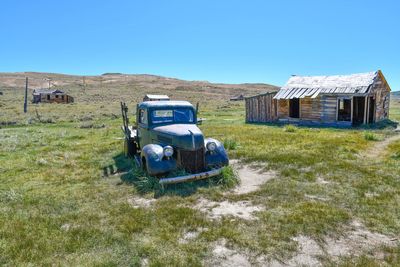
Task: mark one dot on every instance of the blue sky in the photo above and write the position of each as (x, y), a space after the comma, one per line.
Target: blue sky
(219, 41)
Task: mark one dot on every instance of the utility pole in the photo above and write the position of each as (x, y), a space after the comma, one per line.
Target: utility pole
(84, 83)
(26, 96)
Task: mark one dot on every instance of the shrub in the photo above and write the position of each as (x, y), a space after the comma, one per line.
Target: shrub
(230, 144)
(370, 136)
(396, 155)
(144, 182)
(228, 177)
(290, 128)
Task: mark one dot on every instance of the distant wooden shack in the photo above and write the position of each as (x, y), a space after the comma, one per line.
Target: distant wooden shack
(51, 96)
(155, 98)
(341, 100)
(237, 98)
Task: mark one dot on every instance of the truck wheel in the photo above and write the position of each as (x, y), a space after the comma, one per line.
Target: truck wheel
(144, 164)
(130, 148)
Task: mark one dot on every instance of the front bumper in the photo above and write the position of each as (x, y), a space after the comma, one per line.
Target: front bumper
(191, 177)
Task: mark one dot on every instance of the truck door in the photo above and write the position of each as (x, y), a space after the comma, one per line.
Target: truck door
(143, 128)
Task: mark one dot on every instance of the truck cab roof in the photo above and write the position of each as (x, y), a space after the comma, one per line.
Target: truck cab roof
(166, 104)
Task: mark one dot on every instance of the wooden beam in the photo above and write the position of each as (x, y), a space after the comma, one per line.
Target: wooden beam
(26, 96)
(337, 108)
(365, 110)
(352, 107)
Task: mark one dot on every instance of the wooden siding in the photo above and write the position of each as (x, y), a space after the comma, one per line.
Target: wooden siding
(310, 109)
(261, 108)
(329, 106)
(283, 108)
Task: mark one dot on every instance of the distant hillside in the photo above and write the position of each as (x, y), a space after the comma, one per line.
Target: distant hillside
(396, 95)
(148, 83)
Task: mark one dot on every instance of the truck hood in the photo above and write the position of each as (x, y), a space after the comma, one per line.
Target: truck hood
(184, 136)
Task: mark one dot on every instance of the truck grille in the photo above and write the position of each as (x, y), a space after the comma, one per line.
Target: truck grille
(193, 161)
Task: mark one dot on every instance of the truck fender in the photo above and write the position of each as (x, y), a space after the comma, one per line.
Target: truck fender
(218, 157)
(154, 161)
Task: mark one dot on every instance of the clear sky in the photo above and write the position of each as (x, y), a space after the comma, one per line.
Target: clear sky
(216, 40)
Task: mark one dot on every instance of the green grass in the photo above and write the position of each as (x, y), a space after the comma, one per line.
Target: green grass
(64, 190)
(370, 136)
(230, 144)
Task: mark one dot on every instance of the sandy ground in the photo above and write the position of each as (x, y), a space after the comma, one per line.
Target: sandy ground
(226, 257)
(140, 202)
(251, 178)
(215, 210)
(354, 242)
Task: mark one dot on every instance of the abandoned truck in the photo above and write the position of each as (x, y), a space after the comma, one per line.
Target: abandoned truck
(166, 138)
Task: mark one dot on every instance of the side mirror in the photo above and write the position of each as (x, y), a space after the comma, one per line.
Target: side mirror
(199, 121)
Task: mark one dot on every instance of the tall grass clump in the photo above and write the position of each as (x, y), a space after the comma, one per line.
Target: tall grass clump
(370, 136)
(145, 183)
(228, 177)
(230, 144)
(396, 155)
(290, 128)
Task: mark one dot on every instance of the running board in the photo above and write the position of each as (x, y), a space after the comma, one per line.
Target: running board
(191, 177)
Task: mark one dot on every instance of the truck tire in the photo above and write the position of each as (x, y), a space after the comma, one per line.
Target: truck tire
(130, 148)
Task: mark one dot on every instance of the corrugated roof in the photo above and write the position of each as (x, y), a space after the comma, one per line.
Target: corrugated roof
(312, 86)
(47, 91)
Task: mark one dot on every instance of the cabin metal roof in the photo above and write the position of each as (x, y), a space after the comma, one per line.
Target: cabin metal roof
(47, 92)
(312, 86)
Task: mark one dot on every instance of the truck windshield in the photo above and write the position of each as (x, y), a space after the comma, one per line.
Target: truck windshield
(180, 115)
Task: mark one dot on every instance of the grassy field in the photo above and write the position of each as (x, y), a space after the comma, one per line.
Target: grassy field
(66, 190)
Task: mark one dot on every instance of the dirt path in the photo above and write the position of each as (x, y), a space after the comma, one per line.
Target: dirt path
(380, 147)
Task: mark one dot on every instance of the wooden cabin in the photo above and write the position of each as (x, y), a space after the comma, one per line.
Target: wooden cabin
(341, 100)
(51, 96)
(237, 98)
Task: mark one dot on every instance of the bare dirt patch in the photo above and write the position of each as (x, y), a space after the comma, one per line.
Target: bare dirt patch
(191, 235)
(141, 202)
(354, 242)
(215, 210)
(226, 257)
(251, 177)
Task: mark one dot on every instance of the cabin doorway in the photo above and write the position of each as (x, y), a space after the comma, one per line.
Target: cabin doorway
(358, 110)
(371, 110)
(294, 108)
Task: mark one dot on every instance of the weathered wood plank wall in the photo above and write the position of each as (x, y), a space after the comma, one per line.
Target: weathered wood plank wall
(283, 108)
(310, 108)
(381, 93)
(329, 106)
(261, 108)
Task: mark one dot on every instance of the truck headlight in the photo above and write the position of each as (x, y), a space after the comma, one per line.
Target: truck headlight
(168, 151)
(211, 146)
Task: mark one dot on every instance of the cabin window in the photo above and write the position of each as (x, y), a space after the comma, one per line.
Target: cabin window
(48, 97)
(56, 96)
(62, 97)
(143, 116)
(344, 110)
